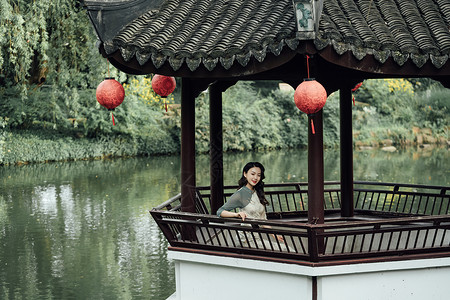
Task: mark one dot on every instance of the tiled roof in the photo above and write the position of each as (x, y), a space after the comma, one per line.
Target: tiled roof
(226, 32)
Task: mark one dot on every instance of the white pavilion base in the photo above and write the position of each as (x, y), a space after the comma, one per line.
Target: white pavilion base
(208, 277)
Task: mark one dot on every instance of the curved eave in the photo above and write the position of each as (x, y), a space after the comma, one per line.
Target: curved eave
(253, 66)
(388, 65)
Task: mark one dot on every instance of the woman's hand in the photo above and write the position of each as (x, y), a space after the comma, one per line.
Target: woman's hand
(278, 237)
(241, 215)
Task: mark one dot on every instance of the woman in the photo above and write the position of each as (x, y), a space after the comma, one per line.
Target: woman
(249, 199)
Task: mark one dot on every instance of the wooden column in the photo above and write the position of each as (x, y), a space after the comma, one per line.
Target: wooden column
(216, 146)
(315, 170)
(187, 146)
(346, 136)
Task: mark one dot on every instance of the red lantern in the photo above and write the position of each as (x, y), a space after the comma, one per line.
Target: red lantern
(310, 97)
(110, 94)
(163, 86)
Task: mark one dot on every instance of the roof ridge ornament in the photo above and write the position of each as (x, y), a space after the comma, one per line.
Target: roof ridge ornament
(307, 15)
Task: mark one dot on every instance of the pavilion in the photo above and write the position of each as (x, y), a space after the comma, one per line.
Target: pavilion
(215, 43)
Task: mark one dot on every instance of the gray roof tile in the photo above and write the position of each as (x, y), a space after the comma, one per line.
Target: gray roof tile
(226, 32)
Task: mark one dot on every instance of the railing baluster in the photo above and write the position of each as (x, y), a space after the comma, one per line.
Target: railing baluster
(371, 200)
(389, 241)
(279, 202)
(404, 206)
(338, 199)
(246, 238)
(407, 239)
(371, 242)
(362, 243)
(392, 200)
(302, 205)
(400, 233)
(385, 200)
(302, 245)
(443, 237)
(343, 243)
(271, 201)
(416, 240)
(364, 201)
(448, 205)
(418, 205)
(224, 237)
(238, 237)
(432, 206)
(231, 237)
(262, 240)
(287, 202)
(412, 203)
(381, 242)
(357, 198)
(333, 250)
(211, 237)
(400, 197)
(295, 202)
(353, 243)
(426, 205)
(434, 236)
(203, 236)
(293, 244)
(440, 206)
(425, 238)
(378, 199)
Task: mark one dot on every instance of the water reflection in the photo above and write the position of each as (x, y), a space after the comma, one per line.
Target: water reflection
(81, 230)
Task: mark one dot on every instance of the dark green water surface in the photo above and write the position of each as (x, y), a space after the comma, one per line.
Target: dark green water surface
(81, 230)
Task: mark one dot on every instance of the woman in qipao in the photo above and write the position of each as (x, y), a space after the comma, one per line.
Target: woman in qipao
(249, 199)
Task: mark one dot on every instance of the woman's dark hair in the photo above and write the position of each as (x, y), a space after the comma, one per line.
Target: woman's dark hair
(259, 187)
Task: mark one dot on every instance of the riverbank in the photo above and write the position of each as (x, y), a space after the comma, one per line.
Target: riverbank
(26, 146)
(391, 140)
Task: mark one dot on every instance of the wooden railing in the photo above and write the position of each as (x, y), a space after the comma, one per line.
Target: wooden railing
(410, 219)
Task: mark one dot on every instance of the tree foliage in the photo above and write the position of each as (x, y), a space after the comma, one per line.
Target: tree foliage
(46, 41)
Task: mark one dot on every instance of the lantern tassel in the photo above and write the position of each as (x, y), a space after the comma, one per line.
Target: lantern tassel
(307, 64)
(354, 101)
(112, 116)
(312, 127)
(165, 104)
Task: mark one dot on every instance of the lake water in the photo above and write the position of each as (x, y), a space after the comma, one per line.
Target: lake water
(81, 230)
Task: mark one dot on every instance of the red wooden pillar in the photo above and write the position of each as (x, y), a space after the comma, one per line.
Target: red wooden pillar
(315, 170)
(187, 146)
(346, 145)
(315, 182)
(216, 146)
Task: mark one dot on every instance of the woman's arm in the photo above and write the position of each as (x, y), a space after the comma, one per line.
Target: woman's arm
(239, 199)
(230, 214)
